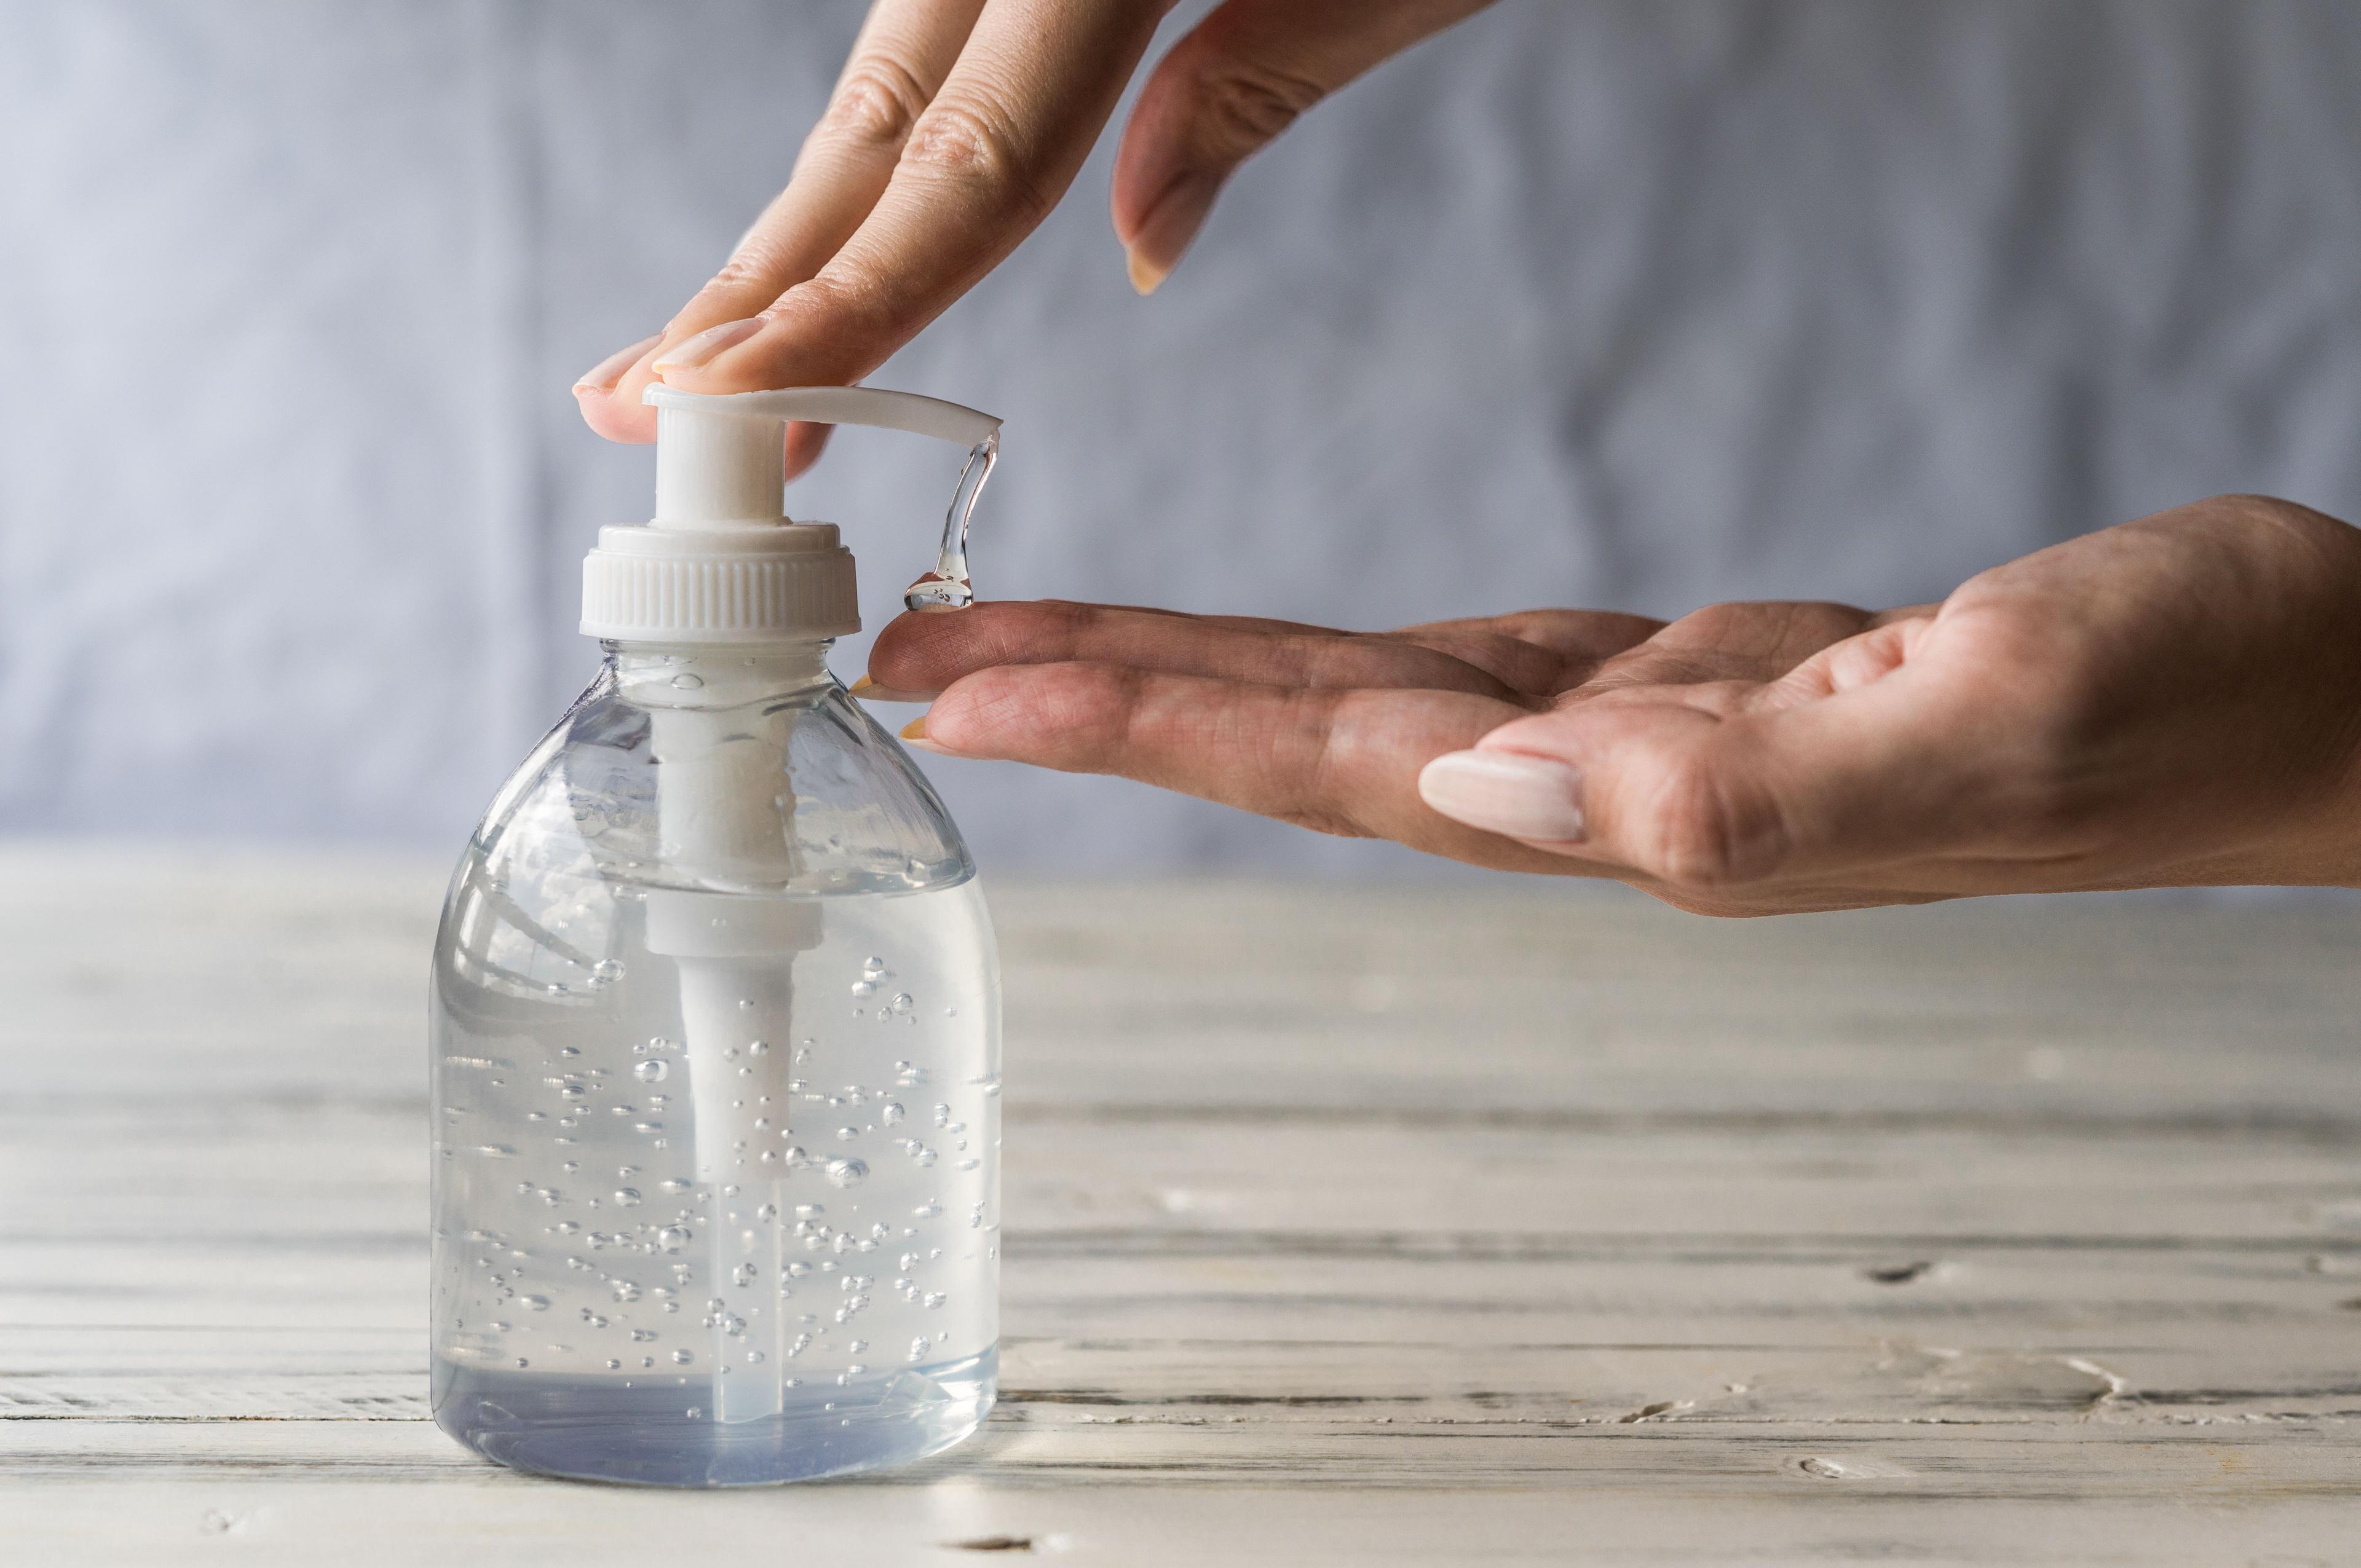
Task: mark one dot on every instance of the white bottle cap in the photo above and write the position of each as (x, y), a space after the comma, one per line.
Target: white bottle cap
(722, 561)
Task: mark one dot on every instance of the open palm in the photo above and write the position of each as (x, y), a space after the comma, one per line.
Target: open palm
(2176, 700)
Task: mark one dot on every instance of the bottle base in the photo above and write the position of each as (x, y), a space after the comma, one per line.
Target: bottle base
(659, 1432)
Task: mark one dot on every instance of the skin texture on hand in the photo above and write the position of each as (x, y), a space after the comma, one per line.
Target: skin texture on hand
(955, 127)
(2175, 701)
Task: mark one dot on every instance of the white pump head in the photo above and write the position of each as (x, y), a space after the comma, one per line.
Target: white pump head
(722, 561)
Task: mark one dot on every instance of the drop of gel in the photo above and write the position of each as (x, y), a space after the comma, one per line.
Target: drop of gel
(946, 586)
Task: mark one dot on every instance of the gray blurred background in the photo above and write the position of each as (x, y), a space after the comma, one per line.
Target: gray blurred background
(1639, 305)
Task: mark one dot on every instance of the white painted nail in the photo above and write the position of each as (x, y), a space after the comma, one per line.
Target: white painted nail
(1506, 792)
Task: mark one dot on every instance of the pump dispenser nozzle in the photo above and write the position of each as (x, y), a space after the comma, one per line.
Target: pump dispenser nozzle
(720, 561)
(721, 458)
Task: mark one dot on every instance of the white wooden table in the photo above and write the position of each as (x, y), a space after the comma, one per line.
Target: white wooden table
(1538, 1224)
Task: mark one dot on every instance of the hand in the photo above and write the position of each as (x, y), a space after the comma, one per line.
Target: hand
(2173, 702)
(955, 127)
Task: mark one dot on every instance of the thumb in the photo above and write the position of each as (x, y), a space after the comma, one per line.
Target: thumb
(1705, 801)
(1241, 77)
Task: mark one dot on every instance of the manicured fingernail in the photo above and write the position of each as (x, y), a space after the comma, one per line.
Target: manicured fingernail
(1170, 224)
(915, 733)
(1506, 792)
(602, 377)
(1144, 274)
(691, 352)
(870, 690)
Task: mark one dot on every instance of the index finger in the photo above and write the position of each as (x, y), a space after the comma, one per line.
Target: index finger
(981, 168)
(1334, 760)
(923, 653)
(905, 52)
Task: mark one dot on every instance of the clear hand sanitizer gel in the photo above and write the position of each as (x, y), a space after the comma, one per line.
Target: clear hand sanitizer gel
(716, 1025)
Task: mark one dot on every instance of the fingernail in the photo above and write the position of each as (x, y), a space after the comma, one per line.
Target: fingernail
(1170, 224)
(602, 377)
(691, 352)
(915, 733)
(870, 691)
(1506, 792)
(1144, 274)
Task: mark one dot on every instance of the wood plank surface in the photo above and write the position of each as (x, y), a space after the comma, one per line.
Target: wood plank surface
(1515, 1224)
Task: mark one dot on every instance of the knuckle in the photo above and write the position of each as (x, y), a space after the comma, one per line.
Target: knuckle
(1089, 716)
(1105, 699)
(1241, 104)
(994, 695)
(750, 276)
(845, 313)
(1063, 623)
(875, 105)
(1703, 834)
(752, 263)
(1317, 781)
(973, 145)
(1073, 716)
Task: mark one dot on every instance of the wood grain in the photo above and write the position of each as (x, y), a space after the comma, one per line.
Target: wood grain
(1526, 1225)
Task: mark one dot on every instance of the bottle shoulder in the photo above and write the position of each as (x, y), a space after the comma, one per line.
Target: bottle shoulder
(793, 792)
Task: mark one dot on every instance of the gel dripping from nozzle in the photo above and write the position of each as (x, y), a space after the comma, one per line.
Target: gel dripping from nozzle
(946, 586)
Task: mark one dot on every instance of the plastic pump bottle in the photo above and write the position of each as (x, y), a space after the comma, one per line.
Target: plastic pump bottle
(716, 1024)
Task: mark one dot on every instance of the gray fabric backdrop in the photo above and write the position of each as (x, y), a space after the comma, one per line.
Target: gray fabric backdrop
(1636, 305)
